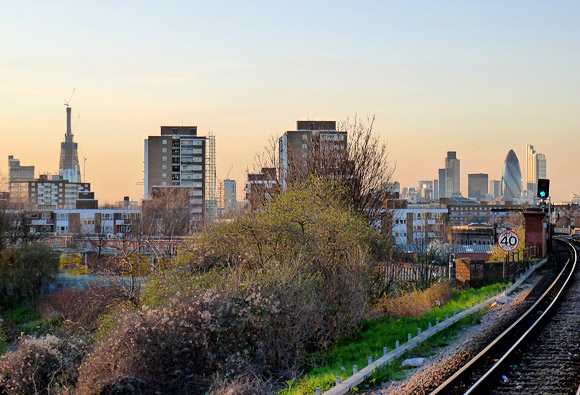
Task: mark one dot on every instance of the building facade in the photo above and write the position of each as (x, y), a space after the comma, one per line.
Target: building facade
(177, 158)
(16, 172)
(260, 187)
(477, 186)
(52, 193)
(309, 148)
(227, 196)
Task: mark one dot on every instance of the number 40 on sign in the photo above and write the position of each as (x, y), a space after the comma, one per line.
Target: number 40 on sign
(508, 240)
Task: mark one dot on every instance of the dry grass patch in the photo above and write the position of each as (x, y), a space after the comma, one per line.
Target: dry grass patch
(416, 303)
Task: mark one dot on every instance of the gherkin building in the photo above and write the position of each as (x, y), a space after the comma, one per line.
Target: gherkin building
(511, 180)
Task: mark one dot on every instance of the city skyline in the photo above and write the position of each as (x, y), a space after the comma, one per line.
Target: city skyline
(478, 79)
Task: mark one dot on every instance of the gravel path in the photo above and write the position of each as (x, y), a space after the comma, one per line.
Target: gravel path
(469, 342)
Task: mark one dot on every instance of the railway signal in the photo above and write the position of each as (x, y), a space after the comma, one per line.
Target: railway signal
(543, 188)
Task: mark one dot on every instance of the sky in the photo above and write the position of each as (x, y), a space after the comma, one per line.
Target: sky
(478, 78)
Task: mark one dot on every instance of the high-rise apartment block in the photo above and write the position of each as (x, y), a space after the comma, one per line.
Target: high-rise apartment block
(311, 138)
(227, 196)
(260, 187)
(477, 186)
(177, 158)
(52, 193)
(17, 172)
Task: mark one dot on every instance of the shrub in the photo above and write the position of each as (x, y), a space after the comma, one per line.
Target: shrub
(43, 365)
(80, 310)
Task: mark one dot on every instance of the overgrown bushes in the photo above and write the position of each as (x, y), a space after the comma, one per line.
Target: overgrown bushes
(248, 300)
(46, 365)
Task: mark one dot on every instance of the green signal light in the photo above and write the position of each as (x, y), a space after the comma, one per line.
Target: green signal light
(542, 194)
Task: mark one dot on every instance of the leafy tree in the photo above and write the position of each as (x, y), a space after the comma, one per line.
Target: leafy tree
(24, 269)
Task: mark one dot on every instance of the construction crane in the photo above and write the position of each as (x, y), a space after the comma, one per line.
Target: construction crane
(66, 102)
(229, 171)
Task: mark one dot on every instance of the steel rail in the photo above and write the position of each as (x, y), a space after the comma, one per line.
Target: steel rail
(458, 376)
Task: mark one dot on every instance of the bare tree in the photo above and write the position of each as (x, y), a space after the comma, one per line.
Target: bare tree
(358, 165)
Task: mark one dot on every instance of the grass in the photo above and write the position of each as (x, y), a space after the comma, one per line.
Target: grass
(21, 314)
(374, 335)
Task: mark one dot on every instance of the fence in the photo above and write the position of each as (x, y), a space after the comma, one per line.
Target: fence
(516, 262)
(413, 273)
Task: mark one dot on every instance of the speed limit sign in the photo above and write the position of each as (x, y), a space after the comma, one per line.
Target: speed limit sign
(508, 240)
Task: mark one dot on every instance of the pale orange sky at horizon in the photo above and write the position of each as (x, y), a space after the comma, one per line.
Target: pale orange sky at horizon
(476, 79)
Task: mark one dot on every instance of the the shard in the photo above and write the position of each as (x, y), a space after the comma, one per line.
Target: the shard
(69, 160)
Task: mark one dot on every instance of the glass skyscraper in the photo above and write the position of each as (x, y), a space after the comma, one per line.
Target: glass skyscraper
(511, 180)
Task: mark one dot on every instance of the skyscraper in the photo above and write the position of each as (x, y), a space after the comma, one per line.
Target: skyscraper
(541, 166)
(453, 179)
(495, 188)
(511, 180)
(477, 186)
(442, 183)
(69, 160)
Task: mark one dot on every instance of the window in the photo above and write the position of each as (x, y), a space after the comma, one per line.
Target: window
(164, 159)
(164, 167)
(304, 146)
(197, 142)
(197, 176)
(197, 150)
(164, 175)
(163, 141)
(164, 150)
(304, 137)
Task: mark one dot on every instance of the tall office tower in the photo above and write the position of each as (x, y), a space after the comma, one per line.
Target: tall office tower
(227, 195)
(69, 160)
(177, 159)
(298, 148)
(495, 188)
(477, 186)
(435, 189)
(511, 180)
(541, 166)
(17, 172)
(531, 174)
(425, 190)
(453, 182)
(443, 183)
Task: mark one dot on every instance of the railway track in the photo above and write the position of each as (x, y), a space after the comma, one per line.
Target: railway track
(537, 354)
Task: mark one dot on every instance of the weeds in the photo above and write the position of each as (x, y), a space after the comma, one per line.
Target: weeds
(374, 335)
